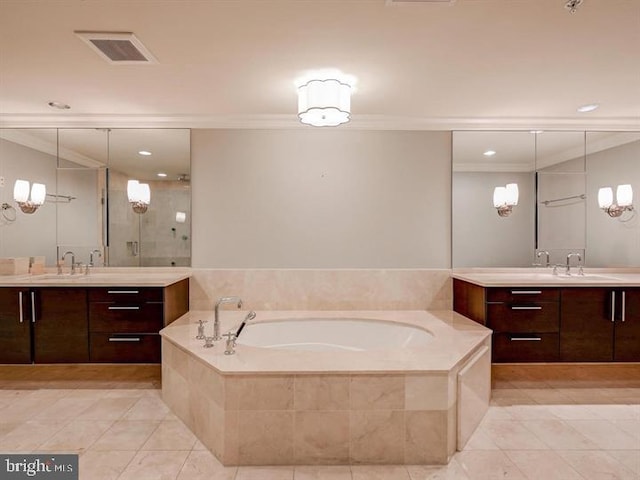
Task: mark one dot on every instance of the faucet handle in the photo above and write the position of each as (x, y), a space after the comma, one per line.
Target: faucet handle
(231, 343)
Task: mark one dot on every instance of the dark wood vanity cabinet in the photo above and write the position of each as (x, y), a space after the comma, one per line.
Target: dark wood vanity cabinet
(600, 325)
(579, 324)
(87, 324)
(15, 325)
(124, 322)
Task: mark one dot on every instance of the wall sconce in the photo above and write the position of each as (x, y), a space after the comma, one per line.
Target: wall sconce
(624, 197)
(505, 198)
(181, 217)
(324, 103)
(21, 195)
(139, 195)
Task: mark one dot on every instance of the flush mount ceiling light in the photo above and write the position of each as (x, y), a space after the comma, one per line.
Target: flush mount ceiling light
(139, 195)
(572, 5)
(489, 153)
(59, 105)
(21, 195)
(161, 174)
(144, 153)
(324, 102)
(590, 107)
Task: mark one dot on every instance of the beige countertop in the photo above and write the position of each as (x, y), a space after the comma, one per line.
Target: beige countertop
(125, 278)
(543, 277)
(455, 338)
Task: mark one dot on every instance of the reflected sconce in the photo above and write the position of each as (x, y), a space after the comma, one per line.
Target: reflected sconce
(181, 217)
(624, 200)
(505, 198)
(29, 203)
(324, 103)
(139, 195)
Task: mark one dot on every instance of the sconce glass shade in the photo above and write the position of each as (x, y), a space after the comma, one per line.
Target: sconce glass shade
(21, 191)
(624, 195)
(324, 103)
(38, 193)
(139, 195)
(499, 197)
(29, 204)
(605, 197)
(512, 194)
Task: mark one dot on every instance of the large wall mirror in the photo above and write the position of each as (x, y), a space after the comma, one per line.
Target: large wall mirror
(559, 175)
(86, 208)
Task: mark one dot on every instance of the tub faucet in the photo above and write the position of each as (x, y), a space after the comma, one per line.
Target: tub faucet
(569, 260)
(216, 317)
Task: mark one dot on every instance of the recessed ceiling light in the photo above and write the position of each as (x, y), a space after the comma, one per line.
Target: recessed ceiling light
(161, 174)
(144, 153)
(59, 105)
(588, 108)
(489, 153)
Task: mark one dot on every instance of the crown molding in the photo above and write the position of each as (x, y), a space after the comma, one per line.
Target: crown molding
(359, 122)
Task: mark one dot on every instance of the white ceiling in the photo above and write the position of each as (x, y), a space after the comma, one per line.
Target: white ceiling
(471, 64)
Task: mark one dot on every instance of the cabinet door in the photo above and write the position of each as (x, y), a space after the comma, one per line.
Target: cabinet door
(627, 327)
(15, 326)
(61, 333)
(586, 326)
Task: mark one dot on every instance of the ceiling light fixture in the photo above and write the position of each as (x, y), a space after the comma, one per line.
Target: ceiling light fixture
(144, 153)
(59, 105)
(161, 174)
(590, 107)
(489, 153)
(536, 131)
(324, 102)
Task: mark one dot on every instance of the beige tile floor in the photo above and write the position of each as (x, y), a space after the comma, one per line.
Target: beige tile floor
(533, 433)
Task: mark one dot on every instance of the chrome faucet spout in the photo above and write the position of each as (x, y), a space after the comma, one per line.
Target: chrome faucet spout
(544, 252)
(73, 261)
(91, 264)
(569, 261)
(216, 317)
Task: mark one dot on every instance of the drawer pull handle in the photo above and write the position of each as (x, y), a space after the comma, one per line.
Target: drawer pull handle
(119, 339)
(525, 339)
(20, 306)
(613, 306)
(124, 308)
(624, 307)
(526, 292)
(526, 308)
(123, 291)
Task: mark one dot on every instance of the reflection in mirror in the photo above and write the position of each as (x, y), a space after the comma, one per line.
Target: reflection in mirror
(27, 154)
(81, 190)
(613, 158)
(483, 161)
(561, 222)
(161, 236)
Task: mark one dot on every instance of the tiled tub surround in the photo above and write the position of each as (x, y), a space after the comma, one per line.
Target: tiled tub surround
(278, 407)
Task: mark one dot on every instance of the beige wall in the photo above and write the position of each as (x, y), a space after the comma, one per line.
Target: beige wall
(321, 198)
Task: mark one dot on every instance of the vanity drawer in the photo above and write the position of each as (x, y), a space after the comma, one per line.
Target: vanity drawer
(126, 294)
(523, 317)
(523, 294)
(125, 318)
(526, 347)
(118, 348)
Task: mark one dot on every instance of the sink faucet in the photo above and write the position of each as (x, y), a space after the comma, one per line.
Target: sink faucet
(73, 262)
(216, 317)
(569, 260)
(543, 252)
(91, 264)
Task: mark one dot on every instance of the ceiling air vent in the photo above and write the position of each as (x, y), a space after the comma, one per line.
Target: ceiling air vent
(118, 48)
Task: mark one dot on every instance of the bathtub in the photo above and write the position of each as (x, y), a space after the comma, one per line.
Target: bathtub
(333, 335)
(330, 387)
